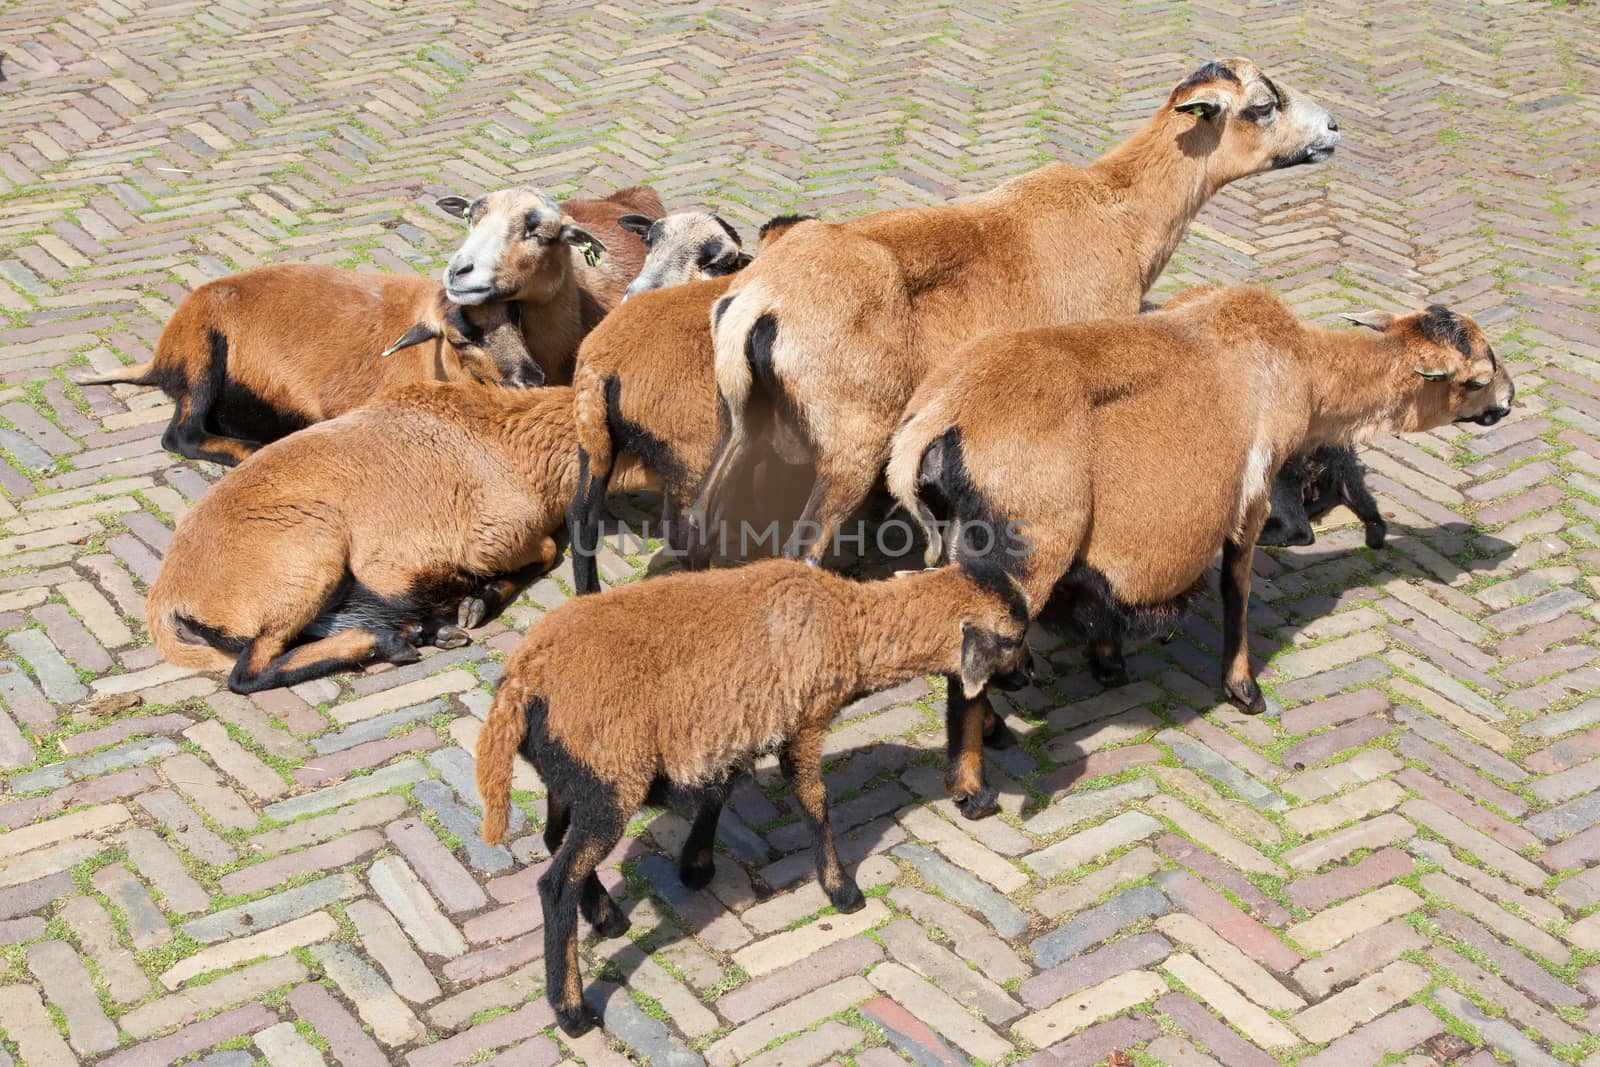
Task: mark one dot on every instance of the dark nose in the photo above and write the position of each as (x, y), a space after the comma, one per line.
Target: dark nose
(1012, 680)
(457, 271)
(1332, 124)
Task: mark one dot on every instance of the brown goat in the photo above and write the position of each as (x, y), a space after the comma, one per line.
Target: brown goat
(834, 330)
(565, 264)
(363, 534)
(683, 681)
(645, 394)
(253, 357)
(1104, 464)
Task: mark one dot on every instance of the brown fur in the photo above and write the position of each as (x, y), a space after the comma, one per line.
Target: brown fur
(657, 346)
(864, 308)
(420, 498)
(306, 341)
(1138, 447)
(561, 296)
(686, 679)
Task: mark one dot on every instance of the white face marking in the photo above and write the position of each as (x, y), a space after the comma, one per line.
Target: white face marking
(470, 276)
(676, 244)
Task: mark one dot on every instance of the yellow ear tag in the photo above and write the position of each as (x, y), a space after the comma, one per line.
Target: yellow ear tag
(592, 254)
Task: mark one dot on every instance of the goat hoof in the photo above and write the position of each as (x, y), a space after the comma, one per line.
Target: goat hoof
(451, 637)
(847, 898)
(1000, 737)
(1246, 696)
(981, 804)
(1376, 533)
(697, 875)
(1110, 675)
(471, 613)
(575, 1022)
(411, 633)
(613, 923)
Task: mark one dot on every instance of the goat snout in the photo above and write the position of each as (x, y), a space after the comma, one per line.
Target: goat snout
(1012, 680)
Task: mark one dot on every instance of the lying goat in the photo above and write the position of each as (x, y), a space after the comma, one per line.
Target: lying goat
(399, 523)
(684, 680)
(253, 357)
(833, 330)
(1103, 464)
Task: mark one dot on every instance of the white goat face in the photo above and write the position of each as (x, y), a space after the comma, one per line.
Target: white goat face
(683, 247)
(1247, 123)
(520, 246)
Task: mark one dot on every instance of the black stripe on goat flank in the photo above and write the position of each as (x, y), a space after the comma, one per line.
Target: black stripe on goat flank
(945, 485)
(718, 309)
(629, 436)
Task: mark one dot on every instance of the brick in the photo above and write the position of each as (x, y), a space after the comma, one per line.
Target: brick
(1344, 921)
(1069, 1015)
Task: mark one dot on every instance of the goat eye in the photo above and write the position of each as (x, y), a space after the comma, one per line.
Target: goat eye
(1473, 387)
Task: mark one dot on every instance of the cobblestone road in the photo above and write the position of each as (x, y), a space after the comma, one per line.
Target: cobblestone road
(1397, 865)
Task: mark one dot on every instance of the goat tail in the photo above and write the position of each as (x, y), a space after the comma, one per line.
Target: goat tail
(179, 643)
(909, 453)
(589, 409)
(137, 374)
(733, 319)
(498, 742)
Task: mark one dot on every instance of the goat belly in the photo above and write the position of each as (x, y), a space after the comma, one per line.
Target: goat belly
(1085, 602)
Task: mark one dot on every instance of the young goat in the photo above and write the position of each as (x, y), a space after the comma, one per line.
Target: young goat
(685, 246)
(834, 331)
(1103, 464)
(1314, 483)
(683, 680)
(253, 357)
(362, 535)
(565, 264)
(645, 396)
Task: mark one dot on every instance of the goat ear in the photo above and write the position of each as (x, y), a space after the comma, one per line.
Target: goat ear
(1202, 104)
(728, 229)
(1372, 320)
(639, 224)
(415, 336)
(584, 241)
(980, 651)
(454, 205)
(1431, 375)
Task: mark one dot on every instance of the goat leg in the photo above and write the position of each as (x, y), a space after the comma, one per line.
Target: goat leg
(804, 768)
(964, 734)
(1238, 680)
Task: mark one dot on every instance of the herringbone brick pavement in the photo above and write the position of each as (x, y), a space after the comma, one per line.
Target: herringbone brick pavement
(1396, 865)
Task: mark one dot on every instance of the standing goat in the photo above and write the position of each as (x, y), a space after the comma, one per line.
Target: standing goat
(834, 330)
(362, 535)
(683, 681)
(1103, 464)
(644, 390)
(565, 264)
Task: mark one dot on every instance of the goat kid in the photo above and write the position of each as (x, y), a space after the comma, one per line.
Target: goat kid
(1126, 452)
(401, 523)
(682, 681)
(834, 330)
